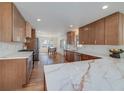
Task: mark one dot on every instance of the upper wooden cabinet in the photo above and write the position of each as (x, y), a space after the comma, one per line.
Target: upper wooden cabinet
(91, 34)
(99, 32)
(12, 24)
(70, 37)
(106, 31)
(84, 34)
(6, 21)
(19, 26)
(33, 34)
(28, 29)
(114, 29)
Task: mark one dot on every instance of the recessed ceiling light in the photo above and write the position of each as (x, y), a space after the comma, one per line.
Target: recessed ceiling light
(38, 19)
(71, 26)
(105, 7)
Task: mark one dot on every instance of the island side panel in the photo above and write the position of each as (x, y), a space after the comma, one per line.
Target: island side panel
(12, 73)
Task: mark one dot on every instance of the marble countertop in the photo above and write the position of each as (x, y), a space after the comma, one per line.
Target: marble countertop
(93, 75)
(17, 55)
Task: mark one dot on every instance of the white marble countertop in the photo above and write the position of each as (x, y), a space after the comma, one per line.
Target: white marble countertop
(93, 75)
(17, 55)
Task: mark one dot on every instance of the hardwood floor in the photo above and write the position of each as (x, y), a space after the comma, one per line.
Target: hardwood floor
(37, 78)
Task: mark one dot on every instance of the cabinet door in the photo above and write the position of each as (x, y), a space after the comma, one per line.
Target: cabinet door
(0, 24)
(99, 32)
(70, 37)
(28, 29)
(111, 29)
(18, 26)
(84, 35)
(92, 34)
(33, 33)
(84, 57)
(6, 22)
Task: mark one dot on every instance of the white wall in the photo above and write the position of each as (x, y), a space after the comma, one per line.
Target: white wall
(7, 48)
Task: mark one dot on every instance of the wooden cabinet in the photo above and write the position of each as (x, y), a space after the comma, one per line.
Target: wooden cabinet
(33, 34)
(88, 57)
(0, 24)
(114, 29)
(19, 25)
(106, 31)
(91, 34)
(6, 21)
(70, 37)
(84, 35)
(28, 29)
(12, 24)
(99, 32)
(71, 56)
(14, 73)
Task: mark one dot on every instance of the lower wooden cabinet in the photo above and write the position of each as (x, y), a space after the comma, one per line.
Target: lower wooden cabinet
(14, 73)
(71, 56)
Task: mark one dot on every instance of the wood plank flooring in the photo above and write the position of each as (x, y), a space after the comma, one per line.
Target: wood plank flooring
(37, 78)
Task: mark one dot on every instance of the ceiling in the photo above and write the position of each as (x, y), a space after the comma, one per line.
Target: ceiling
(57, 16)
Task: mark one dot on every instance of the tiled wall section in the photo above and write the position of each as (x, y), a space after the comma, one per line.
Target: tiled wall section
(99, 49)
(9, 48)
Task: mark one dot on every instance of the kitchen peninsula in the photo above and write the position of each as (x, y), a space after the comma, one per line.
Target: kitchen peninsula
(97, 74)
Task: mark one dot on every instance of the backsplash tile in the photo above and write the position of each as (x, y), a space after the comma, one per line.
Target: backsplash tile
(98, 49)
(7, 48)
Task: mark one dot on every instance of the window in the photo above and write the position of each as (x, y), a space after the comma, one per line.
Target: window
(46, 42)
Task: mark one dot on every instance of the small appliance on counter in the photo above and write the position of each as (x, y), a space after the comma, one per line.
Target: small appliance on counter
(116, 53)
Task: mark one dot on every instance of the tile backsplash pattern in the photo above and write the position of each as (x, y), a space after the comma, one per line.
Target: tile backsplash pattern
(9, 48)
(99, 49)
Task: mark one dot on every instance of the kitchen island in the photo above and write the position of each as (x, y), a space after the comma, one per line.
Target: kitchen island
(91, 75)
(15, 70)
